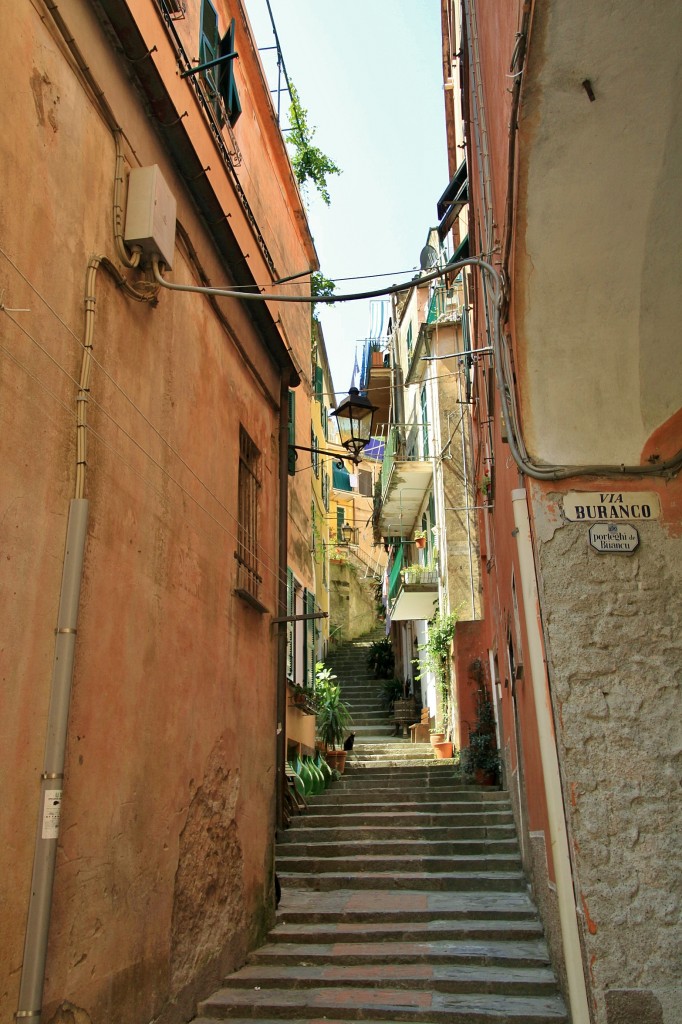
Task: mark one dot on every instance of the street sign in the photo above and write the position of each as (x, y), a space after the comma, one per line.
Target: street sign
(607, 537)
(607, 506)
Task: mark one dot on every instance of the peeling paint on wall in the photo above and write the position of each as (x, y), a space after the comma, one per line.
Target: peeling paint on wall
(208, 899)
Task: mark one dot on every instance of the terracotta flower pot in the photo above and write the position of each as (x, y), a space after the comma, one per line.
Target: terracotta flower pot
(436, 737)
(442, 749)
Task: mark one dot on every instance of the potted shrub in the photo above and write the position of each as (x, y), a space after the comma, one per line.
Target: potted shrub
(390, 691)
(333, 717)
(482, 757)
(381, 659)
(420, 538)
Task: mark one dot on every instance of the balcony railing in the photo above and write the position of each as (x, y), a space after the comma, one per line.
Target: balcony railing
(402, 445)
(412, 589)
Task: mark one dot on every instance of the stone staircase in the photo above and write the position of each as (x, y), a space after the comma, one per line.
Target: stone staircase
(403, 900)
(360, 690)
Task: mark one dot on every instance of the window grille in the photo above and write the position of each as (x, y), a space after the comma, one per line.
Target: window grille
(248, 577)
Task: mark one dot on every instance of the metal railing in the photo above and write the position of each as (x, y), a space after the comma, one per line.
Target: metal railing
(402, 445)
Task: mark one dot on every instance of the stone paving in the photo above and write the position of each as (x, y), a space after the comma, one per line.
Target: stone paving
(403, 900)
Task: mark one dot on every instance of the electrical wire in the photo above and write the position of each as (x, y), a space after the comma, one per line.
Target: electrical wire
(394, 289)
(262, 562)
(109, 377)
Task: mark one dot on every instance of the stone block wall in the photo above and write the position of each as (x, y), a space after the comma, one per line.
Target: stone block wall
(613, 624)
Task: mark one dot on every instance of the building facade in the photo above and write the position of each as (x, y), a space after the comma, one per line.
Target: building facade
(144, 439)
(572, 140)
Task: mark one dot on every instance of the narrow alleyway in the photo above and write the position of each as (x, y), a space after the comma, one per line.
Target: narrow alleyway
(403, 897)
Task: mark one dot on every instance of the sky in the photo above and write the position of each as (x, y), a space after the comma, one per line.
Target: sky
(369, 75)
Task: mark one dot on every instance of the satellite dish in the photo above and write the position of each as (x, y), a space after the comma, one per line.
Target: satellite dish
(428, 257)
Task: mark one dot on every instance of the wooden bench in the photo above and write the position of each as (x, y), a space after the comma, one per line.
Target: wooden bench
(419, 732)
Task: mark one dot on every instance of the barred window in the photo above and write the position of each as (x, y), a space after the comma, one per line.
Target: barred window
(248, 577)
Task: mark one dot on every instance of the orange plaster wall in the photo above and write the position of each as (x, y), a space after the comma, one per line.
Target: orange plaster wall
(173, 704)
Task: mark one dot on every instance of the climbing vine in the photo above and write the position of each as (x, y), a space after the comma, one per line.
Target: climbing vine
(308, 161)
(321, 285)
(436, 658)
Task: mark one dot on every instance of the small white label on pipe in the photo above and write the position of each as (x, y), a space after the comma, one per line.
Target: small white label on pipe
(52, 808)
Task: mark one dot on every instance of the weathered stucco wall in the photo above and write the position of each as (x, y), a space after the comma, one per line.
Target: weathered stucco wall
(164, 862)
(352, 607)
(613, 627)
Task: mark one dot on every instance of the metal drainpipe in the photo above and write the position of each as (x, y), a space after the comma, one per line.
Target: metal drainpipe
(37, 927)
(577, 991)
(281, 750)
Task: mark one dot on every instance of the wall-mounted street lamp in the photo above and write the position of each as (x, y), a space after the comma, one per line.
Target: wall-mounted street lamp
(354, 418)
(347, 534)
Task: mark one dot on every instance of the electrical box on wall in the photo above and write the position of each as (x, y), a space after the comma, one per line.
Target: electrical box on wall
(150, 214)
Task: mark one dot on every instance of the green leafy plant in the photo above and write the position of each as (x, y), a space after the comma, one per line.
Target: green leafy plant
(333, 714)
(321, 285)
(390, 691)
(482, 754)
(417, 572)
(436, 659)
(308, 161)
(381, 659)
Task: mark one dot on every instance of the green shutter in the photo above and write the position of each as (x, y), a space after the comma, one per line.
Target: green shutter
(225, 77)
(309, 639)
(425, 428)
(340, 520)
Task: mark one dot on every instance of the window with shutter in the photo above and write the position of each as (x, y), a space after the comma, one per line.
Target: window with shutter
(219, 80)
(425, 427)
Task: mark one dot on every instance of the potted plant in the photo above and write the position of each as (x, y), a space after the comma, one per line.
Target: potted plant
(420, 538)
(390, 691)
(333, 717)
(381, 659)
(482, 758)
(435, 657)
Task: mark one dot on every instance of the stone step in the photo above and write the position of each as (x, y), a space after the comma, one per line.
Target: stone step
(351, 915)
(462, 978)
(451, 881)
(374, 828)
(338, 834)
(439, 791)
(427, 815)
(292, 861)
(381, 1004)
(308, 846)
(501, 953)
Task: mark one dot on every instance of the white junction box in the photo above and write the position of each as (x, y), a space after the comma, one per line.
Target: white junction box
(150, 214)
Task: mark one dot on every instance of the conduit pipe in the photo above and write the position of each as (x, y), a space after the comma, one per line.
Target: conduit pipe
(577, 991)
(280, 741)
(47, 832)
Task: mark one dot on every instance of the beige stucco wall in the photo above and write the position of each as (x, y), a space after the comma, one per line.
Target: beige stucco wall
(597, 281)
(613, 626)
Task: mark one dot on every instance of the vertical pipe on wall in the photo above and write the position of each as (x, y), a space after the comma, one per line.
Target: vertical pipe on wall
(281, 749)
(577, 990)
(38, 920)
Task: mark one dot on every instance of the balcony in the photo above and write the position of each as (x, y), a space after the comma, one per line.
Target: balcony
(406, 477)
(412, 590)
